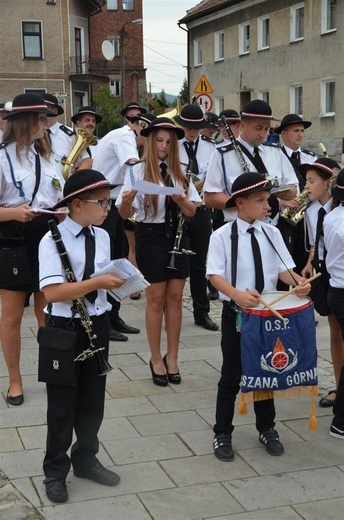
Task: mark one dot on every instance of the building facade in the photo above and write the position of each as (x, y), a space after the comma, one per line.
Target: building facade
(287, 52)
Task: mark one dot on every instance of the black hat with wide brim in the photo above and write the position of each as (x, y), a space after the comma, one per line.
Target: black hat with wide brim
(146, 118)
(52, 101)
(258, 109)
(291, 119)
(191, 116)
(87, 110)
(248, 183)
(163, 123)
(132, 104)
(80, 182)
(28, 104)
(337, 190)
(323, 164)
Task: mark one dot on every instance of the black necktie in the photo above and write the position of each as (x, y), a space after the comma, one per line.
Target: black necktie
(170, 206)
(49, 134)
(90, 250)
(191, 151)
(295, 161)
(296, 158)
(261, 168)
(318, 234)
(258, 265)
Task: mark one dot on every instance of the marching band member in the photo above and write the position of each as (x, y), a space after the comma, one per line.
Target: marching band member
(318, 177)
(87, 118)
(250, 194)
(196, 152)
(155, 235)
(28, 177)
(233, 119)
(334, 245)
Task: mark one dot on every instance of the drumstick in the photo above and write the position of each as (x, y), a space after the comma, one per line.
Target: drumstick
(294, 288)
(271, 309)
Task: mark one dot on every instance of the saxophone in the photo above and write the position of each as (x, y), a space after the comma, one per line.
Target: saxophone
(294, 215)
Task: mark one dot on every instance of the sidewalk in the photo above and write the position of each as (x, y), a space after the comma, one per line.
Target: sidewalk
(159, 440)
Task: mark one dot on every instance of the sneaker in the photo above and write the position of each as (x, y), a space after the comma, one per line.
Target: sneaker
(272, 443)
(223, 446)
(336, 432)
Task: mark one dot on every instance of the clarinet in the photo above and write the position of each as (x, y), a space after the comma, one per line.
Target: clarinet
(236, 147)
(179, 234)
(103, 366)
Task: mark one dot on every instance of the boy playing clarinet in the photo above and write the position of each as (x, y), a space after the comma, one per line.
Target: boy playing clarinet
(79, 407)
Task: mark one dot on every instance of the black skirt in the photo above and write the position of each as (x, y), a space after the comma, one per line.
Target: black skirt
(153, 253)
(32, 232)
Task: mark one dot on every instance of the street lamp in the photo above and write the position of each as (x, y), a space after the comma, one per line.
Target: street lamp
(122, 35)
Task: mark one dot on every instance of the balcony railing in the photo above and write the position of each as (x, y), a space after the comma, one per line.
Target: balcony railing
(87, 65)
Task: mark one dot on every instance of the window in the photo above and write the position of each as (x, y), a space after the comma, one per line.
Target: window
(263, 33)
(296, 100)
(297, 14)
(32, 40)
(128, 5)
(112, 5)
(328, 16)
(328, 88)
(116, 44)
(264, 96)
(219, 104)
(115, 88)
(219, 45)
(39, 91)
(197, 53)
(244, 38)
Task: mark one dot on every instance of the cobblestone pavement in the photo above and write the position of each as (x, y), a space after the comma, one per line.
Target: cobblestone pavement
(160, 442)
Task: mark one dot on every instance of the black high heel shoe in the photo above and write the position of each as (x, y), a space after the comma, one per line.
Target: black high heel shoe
(175, 379)
(158, 379)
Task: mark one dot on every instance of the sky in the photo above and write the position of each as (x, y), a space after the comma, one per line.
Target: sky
(165, 44)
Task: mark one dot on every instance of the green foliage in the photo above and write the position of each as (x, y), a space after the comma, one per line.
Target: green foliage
(109, 109)
(162, 97)
(184, 93)
(156, 107)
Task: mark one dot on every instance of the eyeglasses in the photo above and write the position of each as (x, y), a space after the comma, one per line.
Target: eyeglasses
(105, 203)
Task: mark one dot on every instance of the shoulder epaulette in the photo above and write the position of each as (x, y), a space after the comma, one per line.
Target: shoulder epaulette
(308, 152)
(224, 149)
(132, 162)
(67, 130)
(208, 139)
(275, 145)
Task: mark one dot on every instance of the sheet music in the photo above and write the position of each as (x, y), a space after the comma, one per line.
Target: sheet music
(134, 279)
(151, 188)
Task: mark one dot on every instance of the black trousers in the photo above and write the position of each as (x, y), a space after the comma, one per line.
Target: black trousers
(294, 238)
(335, 299)
(114, 225)
(79, 408)
(229, 383)
(199, 234)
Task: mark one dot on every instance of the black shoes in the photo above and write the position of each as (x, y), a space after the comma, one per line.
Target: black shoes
(158, 379)
(14, 400)
(98, 474)
(175, 378)
(120, 326)
(56, 490)
(117, 336)
(213, 295)
(206, 322)
(222, 444)
(326, 402)
(271, 441)
(336, 432)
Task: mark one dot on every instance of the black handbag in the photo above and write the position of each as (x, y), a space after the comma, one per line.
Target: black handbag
(14, 262)
(57, 352)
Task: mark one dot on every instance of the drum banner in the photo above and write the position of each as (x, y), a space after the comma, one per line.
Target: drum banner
(278, 357)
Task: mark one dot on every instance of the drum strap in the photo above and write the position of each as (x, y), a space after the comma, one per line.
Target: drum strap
(234, 252)
(279, 256)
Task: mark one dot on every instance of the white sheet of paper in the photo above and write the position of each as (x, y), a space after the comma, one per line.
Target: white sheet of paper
(150, 188)
(50, 212)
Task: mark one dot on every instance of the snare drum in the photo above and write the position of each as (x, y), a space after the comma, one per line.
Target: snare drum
(278, 354)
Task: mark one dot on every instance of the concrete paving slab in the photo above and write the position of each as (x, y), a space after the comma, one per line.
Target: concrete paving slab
(183, 401)
(194, 383)
(190, 503)
(145, 449)
(22, 416)
(33, 436)
(27, 487)
(117, 429)
(134, 389)
(288, 488)
(277, 513)
(10, 440)
(127, 407)
(173, 422)
(331, 509)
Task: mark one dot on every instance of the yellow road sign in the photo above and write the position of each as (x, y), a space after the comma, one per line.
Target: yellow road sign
(203, 86)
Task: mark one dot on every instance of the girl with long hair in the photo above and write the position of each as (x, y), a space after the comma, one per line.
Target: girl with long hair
(156, 227)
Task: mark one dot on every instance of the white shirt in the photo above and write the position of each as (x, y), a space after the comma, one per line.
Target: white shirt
(219, 255)
(224, 167)
(203, 153)
(113, 150)
(334, 244)
(306, 157)
(62, 142)
(311, 222)
(135, 173)
(50, 186)
(52, 272)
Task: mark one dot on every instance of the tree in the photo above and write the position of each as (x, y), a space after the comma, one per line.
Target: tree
(109, 110)
(184, 93)
(163, 99)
